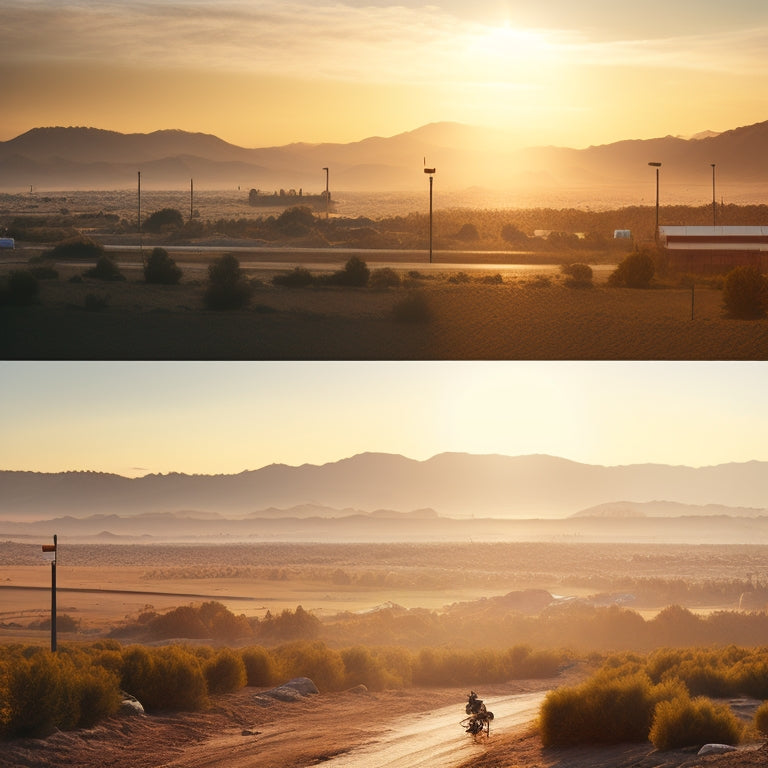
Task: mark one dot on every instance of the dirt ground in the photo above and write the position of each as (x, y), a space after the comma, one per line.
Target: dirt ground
(528, 315)
(305, 733)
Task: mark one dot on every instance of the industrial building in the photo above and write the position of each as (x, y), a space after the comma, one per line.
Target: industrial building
(714, 250)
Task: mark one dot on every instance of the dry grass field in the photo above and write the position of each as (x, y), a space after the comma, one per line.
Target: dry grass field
(529, 314)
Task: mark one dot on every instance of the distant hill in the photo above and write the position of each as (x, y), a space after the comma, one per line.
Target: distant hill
(629, 509)
(449, 484)
(465, 156)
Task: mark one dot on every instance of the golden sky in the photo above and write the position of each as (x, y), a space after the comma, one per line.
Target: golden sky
(134, 418)
(271, 72)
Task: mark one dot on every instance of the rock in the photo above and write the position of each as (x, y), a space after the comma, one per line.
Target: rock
(715, 749)
(358, 689)
(293, 690)
(130, 705)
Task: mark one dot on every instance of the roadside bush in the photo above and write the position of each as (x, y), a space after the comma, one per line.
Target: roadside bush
(228, 287)
(761, 719)
(635, 271)
(745, 293)
(183, 621)
(164, 219)
(225, 672)
(298, 277)
(608, 708)
(259, 667)
(165, 678)
(355, 274)
(362, 668)
(577, 275)
(105, 269)
(76, 248)
(685, 722)
(20, 289)
(512, 234)
(316, 661)
(161, 269)
(44, 272)
(468, 233)
(384, 278)
(459, 277)
(413, 308)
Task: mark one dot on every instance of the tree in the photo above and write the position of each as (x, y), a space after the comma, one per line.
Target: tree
(512, 234)
(166, 218)
(296, 221)
(105, 269)
(577, 275)
(355, 273)
(468, 233)
(161, 268)
(228, 286)
(635, 271)
(745, 293)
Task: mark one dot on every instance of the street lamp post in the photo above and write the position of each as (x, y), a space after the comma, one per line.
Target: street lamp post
(327, 193)
(431, 172)
(656, 166)
(714, 204)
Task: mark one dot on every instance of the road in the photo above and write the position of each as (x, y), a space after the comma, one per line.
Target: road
(432, 739)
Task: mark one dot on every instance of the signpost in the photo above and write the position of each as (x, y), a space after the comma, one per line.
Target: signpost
(50, 549)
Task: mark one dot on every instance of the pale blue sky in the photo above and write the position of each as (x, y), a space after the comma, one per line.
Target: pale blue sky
(277, 71)
(135, 418)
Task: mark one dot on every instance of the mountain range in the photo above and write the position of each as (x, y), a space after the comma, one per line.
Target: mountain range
(68, 158)
(454, 485)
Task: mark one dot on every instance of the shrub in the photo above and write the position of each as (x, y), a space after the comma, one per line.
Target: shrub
(20, 289)
(259, 667)
(354, 274)
(314, 660)
(164, 219)
(383, 278)
(745, 293)
(496, 279)
(228, 287)
(577, 275)
(225, 672)
(76, 248)
(685, 722)
(94, 303)
(761, 719)
(468, 233)
(105, 269)
(295, 221)
(161, 269)
(458, 277)
(413, 308)
(635, 271)
(45, 272)
(605, 709)
(511, 234)
(298, 277)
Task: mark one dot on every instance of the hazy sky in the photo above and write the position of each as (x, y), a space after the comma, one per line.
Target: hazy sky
(135, 418)
(268, 72)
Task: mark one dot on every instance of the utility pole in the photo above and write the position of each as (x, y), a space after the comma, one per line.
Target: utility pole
(327, 193)
(139, 214)
(51, 548)
(714, 202)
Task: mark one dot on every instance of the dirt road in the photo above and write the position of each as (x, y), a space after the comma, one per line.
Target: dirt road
(430, 738)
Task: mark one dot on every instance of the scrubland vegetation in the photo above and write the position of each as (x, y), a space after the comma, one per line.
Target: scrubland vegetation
(666, 696)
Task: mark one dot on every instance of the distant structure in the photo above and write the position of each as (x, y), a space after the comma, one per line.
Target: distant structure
(287, 198)
(714, 250)
(622, 234)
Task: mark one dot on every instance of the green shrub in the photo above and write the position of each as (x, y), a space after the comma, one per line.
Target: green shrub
(161, 269)
(105, 269)
(228, 287)
(635, 271)
(413, 308)
(225, 672)
(316, 661)
(259, 667)
(685, 722)
(761, 719)
(362, 668)
(745, 293)
(76, 248)
(577, 275)
(355, 274)
(164, 219)
(298, 277)
(19, 289)
(383, 278)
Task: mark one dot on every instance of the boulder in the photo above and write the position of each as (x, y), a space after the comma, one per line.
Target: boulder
(715, 749)
(293, 690)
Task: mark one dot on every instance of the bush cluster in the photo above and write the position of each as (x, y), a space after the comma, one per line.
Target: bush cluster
(685, 722)
(19, 289)
(635, 271)
(105, 269)
(161, 269)
(745, 293)
(228, 287)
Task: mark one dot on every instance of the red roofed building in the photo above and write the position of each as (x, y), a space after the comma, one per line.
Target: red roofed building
(714, 250)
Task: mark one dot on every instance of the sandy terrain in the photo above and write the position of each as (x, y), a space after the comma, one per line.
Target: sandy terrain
(521, 318)
(239, 734)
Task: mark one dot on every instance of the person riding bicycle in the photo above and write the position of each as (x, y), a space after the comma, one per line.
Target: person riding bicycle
(474, 706)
